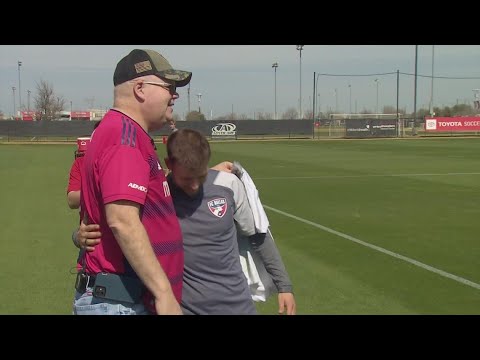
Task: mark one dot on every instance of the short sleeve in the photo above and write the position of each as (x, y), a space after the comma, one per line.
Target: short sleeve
(75, 179)
(124, 174)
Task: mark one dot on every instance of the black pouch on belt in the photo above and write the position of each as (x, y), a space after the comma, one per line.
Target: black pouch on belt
(81, 282)
(119, 288)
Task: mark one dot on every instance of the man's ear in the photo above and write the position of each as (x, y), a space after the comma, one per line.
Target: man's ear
(167, 162)
(138, 89)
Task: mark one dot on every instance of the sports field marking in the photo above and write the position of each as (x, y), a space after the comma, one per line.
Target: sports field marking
(361, 176)
(380, 249)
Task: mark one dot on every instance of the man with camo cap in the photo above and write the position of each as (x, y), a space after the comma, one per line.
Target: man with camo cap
(137, 268)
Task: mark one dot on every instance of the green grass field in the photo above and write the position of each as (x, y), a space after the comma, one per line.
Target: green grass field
(364, 227)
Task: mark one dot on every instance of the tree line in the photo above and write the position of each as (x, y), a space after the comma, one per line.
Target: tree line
(48, 106)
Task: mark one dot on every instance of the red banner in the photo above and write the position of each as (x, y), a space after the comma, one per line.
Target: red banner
(452, 124)
(80, 114)
(28, 115)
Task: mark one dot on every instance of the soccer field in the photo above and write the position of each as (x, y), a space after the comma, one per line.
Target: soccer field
(363, 226)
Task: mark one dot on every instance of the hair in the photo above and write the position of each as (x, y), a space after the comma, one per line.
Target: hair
(188, 148)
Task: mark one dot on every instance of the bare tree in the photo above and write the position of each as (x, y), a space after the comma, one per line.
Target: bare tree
(462, 110)
(268, 116)
(47, 103)
(264, 116)
(290, 113)
(366, 111)
(231, 116)
(389, 109)
(227, 117)
(308, 114)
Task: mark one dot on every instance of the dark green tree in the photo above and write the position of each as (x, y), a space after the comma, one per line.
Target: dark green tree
(195, 116)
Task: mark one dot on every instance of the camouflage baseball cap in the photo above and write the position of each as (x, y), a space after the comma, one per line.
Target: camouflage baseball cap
(148, 62)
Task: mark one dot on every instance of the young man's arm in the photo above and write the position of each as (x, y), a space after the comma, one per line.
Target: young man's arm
(265, 248)
(123, 218)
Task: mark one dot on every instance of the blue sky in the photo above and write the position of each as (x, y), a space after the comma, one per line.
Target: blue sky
(241, 76)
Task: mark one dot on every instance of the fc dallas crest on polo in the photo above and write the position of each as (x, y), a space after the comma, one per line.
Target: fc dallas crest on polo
(218, 207)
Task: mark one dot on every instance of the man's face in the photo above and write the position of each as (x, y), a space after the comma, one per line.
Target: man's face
(190, 181)
(160, 99)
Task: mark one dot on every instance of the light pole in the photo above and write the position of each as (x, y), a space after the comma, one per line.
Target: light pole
(19, 88)
(71, 109)
(14, 110)
(189, 98)
(316, 92)
(336, 102)
(415, 90)
(319, 108)
(300, 48)
(431, 89)
(350, 104)
(275, 66)
(376, 109)
(199, 97)
(28, 100)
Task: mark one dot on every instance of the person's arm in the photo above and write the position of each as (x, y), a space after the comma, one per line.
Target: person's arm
(73, 199)
(87, 236)
(123, 218)
(265, 248)
(74, 184)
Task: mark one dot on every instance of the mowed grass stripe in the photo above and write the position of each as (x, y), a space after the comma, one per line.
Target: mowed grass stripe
(360, 176)
(380, 249)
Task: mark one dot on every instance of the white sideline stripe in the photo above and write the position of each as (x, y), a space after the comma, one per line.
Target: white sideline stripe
(360, 176)
(382, 250)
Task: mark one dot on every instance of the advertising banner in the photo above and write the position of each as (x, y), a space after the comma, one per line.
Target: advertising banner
(367, 128)
(28, 115)
(224, 130)
(81, 115)
(452, 124)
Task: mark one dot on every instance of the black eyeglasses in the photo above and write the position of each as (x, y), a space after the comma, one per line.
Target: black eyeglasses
(170, 87)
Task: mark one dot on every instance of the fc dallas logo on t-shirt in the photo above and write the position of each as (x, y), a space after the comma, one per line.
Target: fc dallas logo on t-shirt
(218, 207)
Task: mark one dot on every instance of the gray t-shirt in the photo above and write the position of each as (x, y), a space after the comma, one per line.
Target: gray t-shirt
(213, 280)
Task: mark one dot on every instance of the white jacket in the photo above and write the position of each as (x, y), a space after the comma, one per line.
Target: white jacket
(259, 281)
